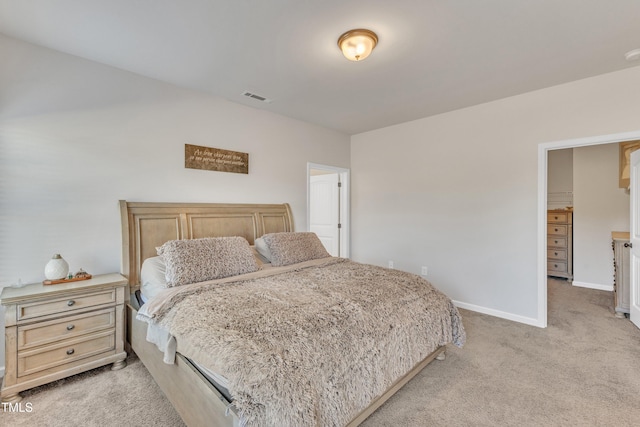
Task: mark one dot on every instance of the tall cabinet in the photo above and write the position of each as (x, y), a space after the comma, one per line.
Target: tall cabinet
(621, 272)
(560, 243)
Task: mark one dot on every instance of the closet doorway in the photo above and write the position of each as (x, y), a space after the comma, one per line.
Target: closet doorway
(328, 207)
(543, 150)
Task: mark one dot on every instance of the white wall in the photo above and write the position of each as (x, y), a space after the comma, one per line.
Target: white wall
(560, 170)
(458, 192)
(560, 178)
(600, 207)
(77, 136)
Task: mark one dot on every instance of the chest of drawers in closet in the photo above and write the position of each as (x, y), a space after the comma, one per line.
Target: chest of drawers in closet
(560, 243)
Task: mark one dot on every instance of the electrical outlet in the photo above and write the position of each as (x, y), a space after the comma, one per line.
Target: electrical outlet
(424, 271)
(390, 264)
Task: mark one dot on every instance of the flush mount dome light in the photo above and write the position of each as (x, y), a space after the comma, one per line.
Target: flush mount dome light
(356, 45)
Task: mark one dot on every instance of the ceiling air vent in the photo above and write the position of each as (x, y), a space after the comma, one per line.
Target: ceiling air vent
(257, 97)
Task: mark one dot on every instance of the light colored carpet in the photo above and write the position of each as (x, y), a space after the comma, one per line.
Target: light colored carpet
(100, 397)
(583, 370)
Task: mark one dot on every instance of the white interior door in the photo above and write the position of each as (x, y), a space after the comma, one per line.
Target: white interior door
(324, 210)
(635, 238)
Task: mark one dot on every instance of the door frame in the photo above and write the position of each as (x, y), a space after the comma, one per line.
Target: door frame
(345, 207)
(634, 258)
(543, 150)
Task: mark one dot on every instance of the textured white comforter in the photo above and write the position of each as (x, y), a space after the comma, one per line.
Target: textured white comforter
(310, 344)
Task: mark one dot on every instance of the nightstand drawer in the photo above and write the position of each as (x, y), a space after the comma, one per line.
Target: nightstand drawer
(66, 304)
(557, 230)
(55, 330)
(63, 352)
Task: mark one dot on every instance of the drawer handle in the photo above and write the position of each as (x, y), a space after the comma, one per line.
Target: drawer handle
(70, 327)
(628, 245)
(556, 229)
(555, 253)
(556, 241)
(70, 302)
(70, 352)
(555, 265)
(555, 217)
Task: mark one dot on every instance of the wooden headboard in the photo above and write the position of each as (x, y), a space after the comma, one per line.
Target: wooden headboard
(146, 226)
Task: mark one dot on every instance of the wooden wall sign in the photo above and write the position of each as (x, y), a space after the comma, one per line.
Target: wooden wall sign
(215, 159)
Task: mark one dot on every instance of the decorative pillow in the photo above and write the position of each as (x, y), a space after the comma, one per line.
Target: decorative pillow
(291, 248)
(197, 260)
(262, 248)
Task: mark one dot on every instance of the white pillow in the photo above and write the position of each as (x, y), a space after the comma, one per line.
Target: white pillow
(152, 277)
(262, 260)
(262, 248)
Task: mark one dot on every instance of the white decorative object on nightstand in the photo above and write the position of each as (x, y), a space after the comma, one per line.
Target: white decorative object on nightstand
(56, 268)
(52, 332)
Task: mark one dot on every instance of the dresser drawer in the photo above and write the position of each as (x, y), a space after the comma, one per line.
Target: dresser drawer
(559, 266)
(63, 352)
(558, 254)
(556, 242)
(41, 333)
(557, 230)
(66, 304)
(557, 217)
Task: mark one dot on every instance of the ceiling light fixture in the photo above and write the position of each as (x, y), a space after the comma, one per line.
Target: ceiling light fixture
(356, 45)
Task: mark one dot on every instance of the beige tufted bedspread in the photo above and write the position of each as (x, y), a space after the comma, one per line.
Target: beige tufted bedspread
(310, 344)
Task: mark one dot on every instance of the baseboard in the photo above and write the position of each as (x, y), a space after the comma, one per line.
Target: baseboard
(500, 314)
(593, 286)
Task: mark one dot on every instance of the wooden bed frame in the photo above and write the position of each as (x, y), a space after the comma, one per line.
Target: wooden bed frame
(148, 225)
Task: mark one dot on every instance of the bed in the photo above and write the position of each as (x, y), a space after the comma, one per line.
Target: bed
(306, 362)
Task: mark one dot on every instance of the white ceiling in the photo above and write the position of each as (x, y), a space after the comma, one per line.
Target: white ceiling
(432, 57)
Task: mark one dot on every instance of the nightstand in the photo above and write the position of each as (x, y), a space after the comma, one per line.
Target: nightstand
(54, 331)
